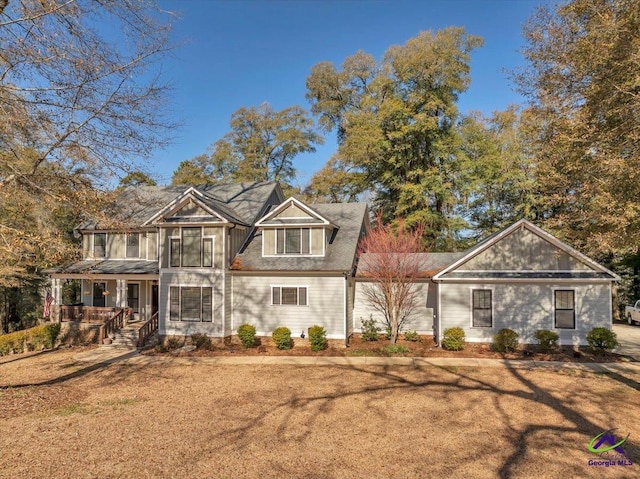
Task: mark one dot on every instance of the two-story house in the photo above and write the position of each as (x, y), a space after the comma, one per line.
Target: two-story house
(208, 258)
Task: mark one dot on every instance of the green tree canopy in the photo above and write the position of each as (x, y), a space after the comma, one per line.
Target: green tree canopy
(583, 81)
(261, 146)
(396, 124)
(137, 178)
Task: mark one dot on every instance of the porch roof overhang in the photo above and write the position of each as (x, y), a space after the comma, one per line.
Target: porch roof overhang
(107, 267)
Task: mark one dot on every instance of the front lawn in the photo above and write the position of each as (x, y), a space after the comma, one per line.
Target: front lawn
(167, 416)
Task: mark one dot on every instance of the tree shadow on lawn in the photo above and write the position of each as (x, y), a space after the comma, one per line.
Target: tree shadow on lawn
(525, 438)
(75, 374)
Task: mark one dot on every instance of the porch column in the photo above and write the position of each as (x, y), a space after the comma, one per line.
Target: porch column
(56, 291)
(121, 293)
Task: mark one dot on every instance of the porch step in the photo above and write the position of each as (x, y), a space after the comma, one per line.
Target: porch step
(126, 337)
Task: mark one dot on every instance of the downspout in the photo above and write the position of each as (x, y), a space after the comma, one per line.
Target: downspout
(438, 315)
(346, 304)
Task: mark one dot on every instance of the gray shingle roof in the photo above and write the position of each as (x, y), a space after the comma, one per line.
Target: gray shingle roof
(430, 263)
(339, 255)
(236, 201)
(109, 266)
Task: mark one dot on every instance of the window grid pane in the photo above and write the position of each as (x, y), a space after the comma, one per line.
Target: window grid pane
(99, 245)
(302, 296)
(275, 299)
(279, 241)
(175, 253)
(305, 241)
(207, 304)
(565, 317)
(191, 245)
(133, 245)
(292, 241)
(207, 252)
(290, 296)
(190, 305)
(174, 303)
(482, 314)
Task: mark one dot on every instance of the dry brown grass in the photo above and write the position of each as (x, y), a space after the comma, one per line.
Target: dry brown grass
(182, 417)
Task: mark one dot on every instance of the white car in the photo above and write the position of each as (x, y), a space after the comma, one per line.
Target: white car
(633, 313)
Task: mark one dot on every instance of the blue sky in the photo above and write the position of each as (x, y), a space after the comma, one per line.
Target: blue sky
(244, 53)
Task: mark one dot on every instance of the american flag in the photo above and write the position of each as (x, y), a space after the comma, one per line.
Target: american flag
(47, 304)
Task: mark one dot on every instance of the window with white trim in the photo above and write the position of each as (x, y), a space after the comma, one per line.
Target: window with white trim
(293, 241)
(289, 295)
(99, 245)
(564, 306)
(191, 303)
(133, 245)
(191, 249)
(482, 308)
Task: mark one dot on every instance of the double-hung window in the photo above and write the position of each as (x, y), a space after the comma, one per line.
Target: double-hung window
(482, 309)
(291, 296)
(293, 241)
(99, 245)
(564, 302)
(191, 304)
(133, 245)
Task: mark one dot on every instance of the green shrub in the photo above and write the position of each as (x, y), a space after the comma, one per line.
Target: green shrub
(453, 339)
(602, 339)
(547, 340)
(318, 338)
(201, 341)
(247, 335)
(412, 336)
(12, 342)
(506, 341)
(175, 342)
(370, 329)
(282, 337)
(396, 349)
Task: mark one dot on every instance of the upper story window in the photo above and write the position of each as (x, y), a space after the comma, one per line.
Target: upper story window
(191, 249)
(133, 245)
(99, 245)
(293, 241)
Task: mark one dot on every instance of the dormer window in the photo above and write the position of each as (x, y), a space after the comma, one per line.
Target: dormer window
(293, 241)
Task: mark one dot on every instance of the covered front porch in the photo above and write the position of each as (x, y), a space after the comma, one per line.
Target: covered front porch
(97, 298)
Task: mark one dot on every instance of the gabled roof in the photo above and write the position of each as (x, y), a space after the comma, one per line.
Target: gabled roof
(209, 203)
(594, 271)
(238, 203)
(340, 253)
(314, 218)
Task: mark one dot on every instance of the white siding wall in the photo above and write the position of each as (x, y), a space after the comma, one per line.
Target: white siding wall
(421, 320)
(526, 308)
(252, 304)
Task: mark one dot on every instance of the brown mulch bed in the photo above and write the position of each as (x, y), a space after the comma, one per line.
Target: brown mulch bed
(425, 348)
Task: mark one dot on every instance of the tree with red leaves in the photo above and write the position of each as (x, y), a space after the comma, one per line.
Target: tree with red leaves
(390, 260)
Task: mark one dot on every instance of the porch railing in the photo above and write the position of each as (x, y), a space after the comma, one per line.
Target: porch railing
(86, 314)
(111, 325)
(149, 327)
